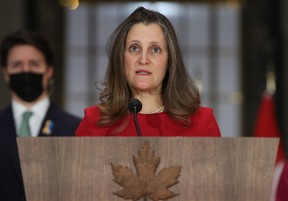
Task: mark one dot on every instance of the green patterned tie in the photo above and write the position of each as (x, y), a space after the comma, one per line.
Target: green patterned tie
(25, 130)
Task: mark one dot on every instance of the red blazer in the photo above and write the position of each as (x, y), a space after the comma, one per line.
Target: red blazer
(203, 124)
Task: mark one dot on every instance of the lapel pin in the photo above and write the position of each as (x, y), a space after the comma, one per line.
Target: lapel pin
(48, 127)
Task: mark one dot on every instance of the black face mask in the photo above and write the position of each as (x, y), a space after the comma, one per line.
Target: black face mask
(28, 86)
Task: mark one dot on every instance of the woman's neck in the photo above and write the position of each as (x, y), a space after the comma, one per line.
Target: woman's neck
(150, 103)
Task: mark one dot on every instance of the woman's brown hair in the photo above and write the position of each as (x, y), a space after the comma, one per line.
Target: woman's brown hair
(179, 94)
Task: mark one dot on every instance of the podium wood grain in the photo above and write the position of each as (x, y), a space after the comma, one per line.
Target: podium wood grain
(213, 169)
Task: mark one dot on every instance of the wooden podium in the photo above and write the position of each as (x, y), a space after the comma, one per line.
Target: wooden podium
(211, 169)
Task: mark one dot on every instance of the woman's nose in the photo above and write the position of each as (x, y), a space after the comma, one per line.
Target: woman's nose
(144, 59)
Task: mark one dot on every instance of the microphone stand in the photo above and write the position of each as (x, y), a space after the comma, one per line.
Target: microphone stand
(136, 121)
(134, 107)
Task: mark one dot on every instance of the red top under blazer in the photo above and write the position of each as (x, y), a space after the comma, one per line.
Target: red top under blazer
(203, 124)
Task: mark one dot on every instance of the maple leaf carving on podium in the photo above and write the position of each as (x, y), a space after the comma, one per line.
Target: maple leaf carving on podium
(145, 183)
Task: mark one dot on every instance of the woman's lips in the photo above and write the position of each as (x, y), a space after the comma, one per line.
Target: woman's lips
(143, 72)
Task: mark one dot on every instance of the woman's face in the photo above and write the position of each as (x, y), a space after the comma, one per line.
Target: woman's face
(146, 57)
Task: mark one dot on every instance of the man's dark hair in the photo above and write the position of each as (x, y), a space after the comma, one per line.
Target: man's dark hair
(25, 37)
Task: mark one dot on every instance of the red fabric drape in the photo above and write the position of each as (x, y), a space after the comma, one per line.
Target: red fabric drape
(267, 124)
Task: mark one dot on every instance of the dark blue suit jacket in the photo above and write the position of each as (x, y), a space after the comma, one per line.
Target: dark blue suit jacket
(11, 183)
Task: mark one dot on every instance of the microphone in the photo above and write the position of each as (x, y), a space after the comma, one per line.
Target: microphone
(135, 106)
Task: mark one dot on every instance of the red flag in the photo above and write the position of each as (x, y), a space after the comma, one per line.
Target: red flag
(266, 123)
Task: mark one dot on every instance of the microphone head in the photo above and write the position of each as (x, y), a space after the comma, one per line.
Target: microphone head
(135, 105)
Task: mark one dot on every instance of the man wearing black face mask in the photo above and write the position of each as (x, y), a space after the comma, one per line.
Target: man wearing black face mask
(27, 62)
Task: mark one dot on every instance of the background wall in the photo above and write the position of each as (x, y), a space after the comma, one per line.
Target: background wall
(11, 18)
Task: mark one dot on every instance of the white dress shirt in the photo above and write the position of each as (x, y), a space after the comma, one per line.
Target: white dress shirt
(39, 111)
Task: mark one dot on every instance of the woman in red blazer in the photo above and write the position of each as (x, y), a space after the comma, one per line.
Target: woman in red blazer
(145, 63)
